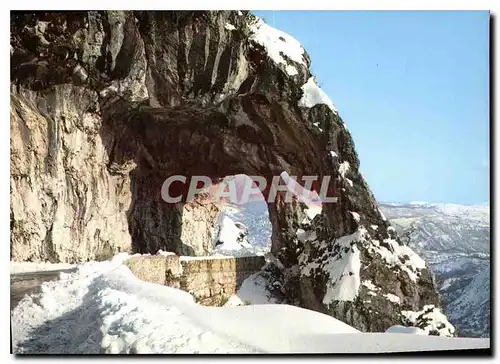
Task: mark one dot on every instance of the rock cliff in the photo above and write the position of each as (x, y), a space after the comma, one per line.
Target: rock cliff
(106, 105)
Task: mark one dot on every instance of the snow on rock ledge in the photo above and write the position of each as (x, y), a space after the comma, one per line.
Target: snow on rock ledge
(313, 95)
(398, 329)
(278, 44)
(344, 168)
(342, 265)
(400, 256)
(368, 280)
(231, 238)
(393, 298)
(252, 291)
(431, 320)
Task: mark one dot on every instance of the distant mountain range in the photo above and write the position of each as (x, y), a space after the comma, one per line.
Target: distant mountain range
(455, 241)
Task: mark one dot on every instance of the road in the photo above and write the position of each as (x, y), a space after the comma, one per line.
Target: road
(26, 283)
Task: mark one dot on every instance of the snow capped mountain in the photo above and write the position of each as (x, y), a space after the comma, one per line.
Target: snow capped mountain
(455, 241)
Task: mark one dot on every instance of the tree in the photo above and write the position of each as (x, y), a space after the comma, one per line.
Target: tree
(407, 234)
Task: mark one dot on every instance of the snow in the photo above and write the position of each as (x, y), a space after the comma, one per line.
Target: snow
(447, 283)
(275, 328)
(398, 329)
(382, 215)
(161, 252)
(455, 242)
(344, 277)
(277, 44)
(480, 213)
(333, 154)
(412, 262)
(475, 213)
(139, 317)
(316, 124)
(344, 269)
(369, 284)
(187, 258)
(292, 71)
(312, 211)
(355, 215)
(229, 231)
(349, 182)
(419, 203)
(272, 259)
(252, 291)
(313, 95)
(385, 343)
(393, 298)
(304, 236)
(431, 318)
(476, 295)
(102, 308)
(229, 26)
(301, 234)
(254, 214)
(343, 168)
(105, 309)
(28, 267)
(232, 237)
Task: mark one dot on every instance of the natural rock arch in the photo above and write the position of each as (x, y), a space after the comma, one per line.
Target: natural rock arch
(162, 142)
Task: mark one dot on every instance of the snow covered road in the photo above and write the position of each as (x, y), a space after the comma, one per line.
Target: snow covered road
(103, 308)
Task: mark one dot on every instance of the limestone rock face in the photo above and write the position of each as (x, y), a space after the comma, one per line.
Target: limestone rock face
(65, 205)
(198, 218)
(106, 105)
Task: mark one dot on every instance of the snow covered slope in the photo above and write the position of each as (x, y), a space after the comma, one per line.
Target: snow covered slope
(455, 241)
(103, 308)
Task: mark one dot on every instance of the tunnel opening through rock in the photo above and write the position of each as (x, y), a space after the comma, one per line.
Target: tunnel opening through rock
(151, 145)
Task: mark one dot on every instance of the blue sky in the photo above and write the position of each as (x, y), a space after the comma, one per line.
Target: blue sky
(413, 89)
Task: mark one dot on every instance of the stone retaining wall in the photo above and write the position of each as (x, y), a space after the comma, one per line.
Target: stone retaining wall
(211, 280)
